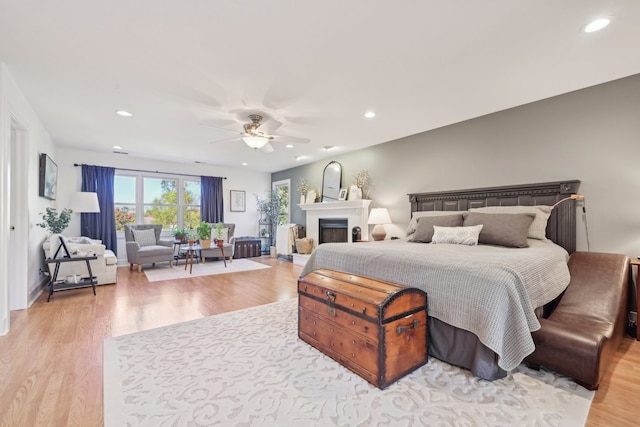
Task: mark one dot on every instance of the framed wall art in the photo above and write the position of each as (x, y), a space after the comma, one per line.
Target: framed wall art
(237, 201)
(48, 177)
(343, 194)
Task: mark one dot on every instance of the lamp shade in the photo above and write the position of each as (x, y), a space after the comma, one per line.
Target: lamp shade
(255, 142)
(84, 202)
(379, 216)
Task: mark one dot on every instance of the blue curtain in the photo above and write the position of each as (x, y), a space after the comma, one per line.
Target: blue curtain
(211, 207)
(100, 180)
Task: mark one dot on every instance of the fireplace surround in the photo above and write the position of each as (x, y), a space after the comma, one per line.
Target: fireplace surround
(356, 213)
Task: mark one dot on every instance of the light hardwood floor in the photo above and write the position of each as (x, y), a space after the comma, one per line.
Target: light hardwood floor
(51, 360)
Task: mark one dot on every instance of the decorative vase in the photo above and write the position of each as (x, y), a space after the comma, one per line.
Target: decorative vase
(311, 196)
(302, 199)
(355, 192)
(220, 243)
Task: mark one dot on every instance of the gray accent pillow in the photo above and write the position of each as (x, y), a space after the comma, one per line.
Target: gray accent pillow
(411, 228)
(146, 237)
(537, 229)
(424, 229)
(503, 229)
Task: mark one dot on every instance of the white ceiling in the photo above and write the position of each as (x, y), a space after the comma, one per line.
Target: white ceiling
(315, 66)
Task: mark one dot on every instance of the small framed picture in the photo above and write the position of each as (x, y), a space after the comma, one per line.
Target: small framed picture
(343, 194)
(48, 177)
(237, 201)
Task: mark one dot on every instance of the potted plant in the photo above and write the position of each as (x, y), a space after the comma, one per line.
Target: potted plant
(272, 212)
(204, 234)
(55, 223)
(180, 234)
(218, 238)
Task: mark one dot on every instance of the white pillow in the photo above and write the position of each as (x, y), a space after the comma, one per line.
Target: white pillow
(145, 237)
(413, 224)
(537, 229)
(457, 235)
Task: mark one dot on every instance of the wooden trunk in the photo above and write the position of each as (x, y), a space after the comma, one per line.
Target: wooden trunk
(375, 328)
(247, 248)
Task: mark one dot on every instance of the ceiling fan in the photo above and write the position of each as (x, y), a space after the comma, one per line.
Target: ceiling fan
(258, 133)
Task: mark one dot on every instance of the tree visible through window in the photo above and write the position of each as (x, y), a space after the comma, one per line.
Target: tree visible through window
(174, 203)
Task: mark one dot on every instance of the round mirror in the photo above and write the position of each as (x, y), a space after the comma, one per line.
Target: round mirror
(331, 182)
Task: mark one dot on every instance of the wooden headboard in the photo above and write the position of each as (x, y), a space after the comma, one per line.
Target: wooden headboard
(561, 227)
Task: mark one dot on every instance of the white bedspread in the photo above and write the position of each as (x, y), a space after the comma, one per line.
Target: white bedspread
(491, 291)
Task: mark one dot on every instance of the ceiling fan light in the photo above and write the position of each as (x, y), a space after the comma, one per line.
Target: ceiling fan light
(255, 141)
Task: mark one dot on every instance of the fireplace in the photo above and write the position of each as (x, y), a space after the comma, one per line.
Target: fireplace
(333, 230)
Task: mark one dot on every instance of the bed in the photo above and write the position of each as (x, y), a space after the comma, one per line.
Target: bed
(484, 300)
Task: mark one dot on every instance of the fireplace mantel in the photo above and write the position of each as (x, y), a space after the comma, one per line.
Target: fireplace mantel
(355, 211)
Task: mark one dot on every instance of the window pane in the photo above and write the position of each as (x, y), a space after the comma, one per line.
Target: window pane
(160, 191)
(192, 193)
(125, 189)
(191, 217)
(125, 214)
(165, 215)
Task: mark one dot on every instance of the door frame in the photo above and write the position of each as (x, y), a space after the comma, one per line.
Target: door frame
(18, 237)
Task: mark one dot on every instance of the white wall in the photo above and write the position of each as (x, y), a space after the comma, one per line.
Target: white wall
(14, 105)
(70, 180)
(592, 135)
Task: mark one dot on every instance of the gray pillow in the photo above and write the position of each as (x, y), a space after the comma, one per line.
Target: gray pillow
(145, 237)
(537, 229)
(424, 228)
(503, 229)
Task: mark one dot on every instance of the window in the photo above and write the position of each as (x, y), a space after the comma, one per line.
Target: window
(125, 201)
(283, 188)
(142, 199)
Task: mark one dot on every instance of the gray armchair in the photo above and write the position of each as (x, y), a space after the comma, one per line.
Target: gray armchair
(146, 247)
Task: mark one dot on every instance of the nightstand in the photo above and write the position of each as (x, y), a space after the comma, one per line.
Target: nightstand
(636, 263)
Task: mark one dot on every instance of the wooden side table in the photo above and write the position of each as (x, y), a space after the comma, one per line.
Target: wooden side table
(636, 262)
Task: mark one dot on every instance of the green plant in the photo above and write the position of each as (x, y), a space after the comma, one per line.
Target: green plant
(204, 231)
(273, 207)
(53, 222)
(218, 230)
(180, 234)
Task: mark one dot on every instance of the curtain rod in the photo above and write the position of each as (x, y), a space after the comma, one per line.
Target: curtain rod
(143, 170)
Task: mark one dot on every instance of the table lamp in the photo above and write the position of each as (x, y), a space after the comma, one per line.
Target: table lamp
(84, 202)
(378, 217)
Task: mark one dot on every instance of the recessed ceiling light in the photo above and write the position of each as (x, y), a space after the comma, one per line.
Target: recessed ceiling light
(596, 25)
(289, 145)
(124, 113)
(245, 164)
(299, 158)
(369, 114)
(117, 147)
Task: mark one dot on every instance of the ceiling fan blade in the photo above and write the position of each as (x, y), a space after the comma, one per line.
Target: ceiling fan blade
(294, 139)
(269, 126)
(228, 129)
(235, 138)
(267, 148)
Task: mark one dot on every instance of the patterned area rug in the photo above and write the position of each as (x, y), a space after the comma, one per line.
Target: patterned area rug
(164, 272)
(248, 368)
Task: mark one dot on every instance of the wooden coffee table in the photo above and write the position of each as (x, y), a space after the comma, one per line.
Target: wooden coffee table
(190, 253)
(215, 251)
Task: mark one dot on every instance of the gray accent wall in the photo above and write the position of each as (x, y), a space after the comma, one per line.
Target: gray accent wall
(592, 135)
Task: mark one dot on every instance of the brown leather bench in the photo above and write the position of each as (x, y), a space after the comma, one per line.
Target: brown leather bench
(580, 336)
